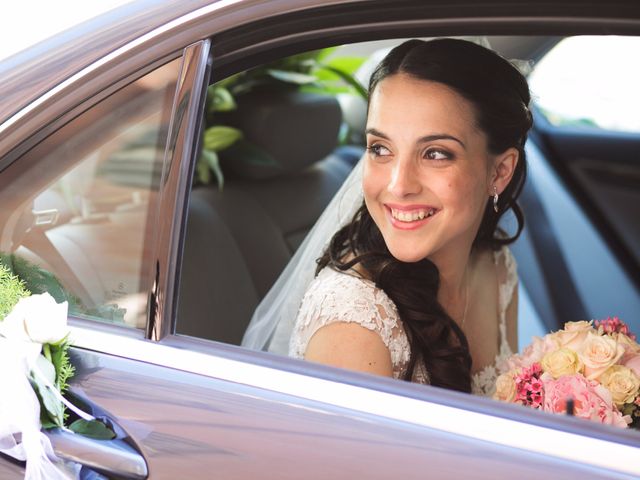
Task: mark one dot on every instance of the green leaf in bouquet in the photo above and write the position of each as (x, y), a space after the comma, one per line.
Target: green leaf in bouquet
(54, 407)
(212, 161)
(38, 280)
(292, 77)
(220, 137)
(62, 364)
(12, 289)
(92, 429)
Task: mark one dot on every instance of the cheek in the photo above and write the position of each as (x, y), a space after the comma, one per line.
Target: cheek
(462, 194)
(373, 183)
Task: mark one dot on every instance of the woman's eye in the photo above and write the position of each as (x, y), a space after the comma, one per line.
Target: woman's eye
(437, 154)
(378, 150)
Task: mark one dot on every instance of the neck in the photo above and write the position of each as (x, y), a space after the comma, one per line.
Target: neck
(453, 267)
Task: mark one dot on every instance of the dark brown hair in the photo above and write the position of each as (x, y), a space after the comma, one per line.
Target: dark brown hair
(500, 97)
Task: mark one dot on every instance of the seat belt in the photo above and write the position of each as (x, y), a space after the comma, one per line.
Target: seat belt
(565, 300)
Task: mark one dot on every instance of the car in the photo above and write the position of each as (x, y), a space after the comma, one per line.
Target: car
(101, 130)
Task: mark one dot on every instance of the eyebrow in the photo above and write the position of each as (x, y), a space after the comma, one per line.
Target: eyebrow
(425, 139)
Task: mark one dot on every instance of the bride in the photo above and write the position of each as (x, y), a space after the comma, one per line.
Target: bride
(420, 284)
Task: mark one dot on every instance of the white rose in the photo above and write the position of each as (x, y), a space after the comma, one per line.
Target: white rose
(574, 334)
(622, 382)
(598, 353)
(505, 387)
(561, 362)
(37, 318)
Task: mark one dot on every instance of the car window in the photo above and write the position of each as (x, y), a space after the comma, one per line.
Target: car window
(590, 82)
(78, 209)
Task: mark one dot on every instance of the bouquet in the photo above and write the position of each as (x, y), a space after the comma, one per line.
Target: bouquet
(34, 344)
(588, 369)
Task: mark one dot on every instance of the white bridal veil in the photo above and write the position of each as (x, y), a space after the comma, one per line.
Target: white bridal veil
(273, 320)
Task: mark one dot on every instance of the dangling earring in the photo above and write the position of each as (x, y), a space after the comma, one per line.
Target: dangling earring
(495, 199)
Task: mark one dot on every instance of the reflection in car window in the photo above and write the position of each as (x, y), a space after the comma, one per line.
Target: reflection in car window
(590, 82)
(78, 209)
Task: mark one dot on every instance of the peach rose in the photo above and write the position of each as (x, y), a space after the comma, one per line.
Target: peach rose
(622, 382)
(533, 353)
(505, 388)
(598, 353)
(590, 399)
(563, 361)
(574, 334)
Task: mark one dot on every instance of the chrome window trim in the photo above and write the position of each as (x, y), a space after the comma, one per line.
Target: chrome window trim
(175, 185)
(480, 426)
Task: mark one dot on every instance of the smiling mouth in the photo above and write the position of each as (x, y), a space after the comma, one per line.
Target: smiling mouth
(409, 216)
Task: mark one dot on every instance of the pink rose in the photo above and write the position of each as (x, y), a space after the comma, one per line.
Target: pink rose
(591, 400)
(632, 362)
(533, 353)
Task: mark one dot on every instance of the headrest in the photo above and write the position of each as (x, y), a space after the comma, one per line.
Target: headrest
(295, 129)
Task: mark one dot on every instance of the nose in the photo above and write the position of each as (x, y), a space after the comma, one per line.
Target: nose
(404, 179)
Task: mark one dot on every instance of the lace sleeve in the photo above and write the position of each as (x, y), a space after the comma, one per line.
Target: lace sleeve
(340, 297)
(507, 277)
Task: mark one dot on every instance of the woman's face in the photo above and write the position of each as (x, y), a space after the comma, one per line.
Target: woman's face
(428, 173)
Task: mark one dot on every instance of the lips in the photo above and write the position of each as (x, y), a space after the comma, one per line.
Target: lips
(409, 217)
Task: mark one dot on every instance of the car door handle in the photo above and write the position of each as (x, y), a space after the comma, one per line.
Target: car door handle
(109, 457)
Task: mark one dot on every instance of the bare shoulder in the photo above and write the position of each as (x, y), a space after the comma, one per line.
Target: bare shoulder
(351, 346)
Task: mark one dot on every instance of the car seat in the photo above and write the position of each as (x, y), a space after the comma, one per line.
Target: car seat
(241, 236)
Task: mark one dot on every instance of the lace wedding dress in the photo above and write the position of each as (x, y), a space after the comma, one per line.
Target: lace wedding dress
(343, 297)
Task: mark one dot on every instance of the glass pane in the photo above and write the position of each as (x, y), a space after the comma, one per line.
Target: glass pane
(78, 209)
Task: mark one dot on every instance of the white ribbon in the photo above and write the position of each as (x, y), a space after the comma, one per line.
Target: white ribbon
(20, 435)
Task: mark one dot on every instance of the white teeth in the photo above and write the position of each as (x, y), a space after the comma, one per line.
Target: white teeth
(404, 216)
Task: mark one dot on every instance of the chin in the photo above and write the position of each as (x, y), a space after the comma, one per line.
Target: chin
(407, 254)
